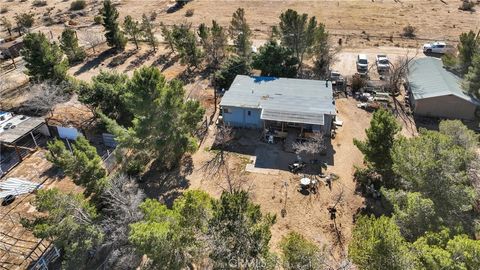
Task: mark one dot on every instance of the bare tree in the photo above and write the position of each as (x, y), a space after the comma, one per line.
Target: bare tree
(44, 96)
(217, 166)
(312, 146)
(121, 201)
(93, 39)
(398, 73)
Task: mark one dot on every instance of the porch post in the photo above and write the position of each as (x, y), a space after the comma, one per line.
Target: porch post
(34, 141)
(18, 152)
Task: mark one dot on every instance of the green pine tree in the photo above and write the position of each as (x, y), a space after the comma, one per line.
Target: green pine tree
(113, 33)
(163, 121)
(379, 143)
(276, 61)
(299, 253)
(241, 34)
(132, 28)
(70, 222)
(148, 33)
(229, 69)
(69, 45)
(84, 165)
(377, 243)
(471, 82)
(239, 231)
(44, 60)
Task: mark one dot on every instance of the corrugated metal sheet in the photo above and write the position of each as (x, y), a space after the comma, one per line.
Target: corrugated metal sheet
(282, 99)
(292, 117)
(16, 186)
(427, 78)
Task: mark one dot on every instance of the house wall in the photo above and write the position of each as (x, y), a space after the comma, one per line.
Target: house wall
(450, 107)
(327, 125)
(242, 117)
(44, 130)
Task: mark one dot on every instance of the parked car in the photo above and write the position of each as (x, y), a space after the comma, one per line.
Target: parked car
(362, 64)
(383, 64)
(435, 47)
(335, 76)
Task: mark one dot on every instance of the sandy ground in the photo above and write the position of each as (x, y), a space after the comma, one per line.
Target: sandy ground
(305, 214)
(357, 23)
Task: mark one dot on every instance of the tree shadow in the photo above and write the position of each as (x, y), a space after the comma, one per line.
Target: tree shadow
(122, 58)
(166, 61)
(53, 172)
(95, 62)
(140, 60)
(164, 185)
(189, 75)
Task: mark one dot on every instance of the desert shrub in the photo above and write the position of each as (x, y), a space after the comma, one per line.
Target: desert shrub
(153, 16)
(3, 10)
(358, 83)
(97, 19)
(189, 13)
(48, 20)
(23, 1)
(78, 5)
(467, 5)
(409, 31)
(39, 3)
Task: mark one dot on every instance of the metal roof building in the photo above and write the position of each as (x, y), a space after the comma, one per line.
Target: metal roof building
(251, 100)
(18, 127)
(437, 92)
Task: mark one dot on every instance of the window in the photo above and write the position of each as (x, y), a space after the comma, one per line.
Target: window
(226, 110)
(249, 113)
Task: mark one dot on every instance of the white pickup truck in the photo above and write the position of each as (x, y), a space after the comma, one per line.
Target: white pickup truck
(383, 64)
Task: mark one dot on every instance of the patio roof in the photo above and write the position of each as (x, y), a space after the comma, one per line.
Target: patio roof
(292, 117)
(22, 128)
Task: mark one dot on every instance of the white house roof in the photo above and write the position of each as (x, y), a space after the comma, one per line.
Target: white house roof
(282, 99)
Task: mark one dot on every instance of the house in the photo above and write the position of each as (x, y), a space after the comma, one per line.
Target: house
(436, 92)
(268, 102)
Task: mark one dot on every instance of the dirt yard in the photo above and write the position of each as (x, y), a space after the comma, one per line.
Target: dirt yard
(305, 214)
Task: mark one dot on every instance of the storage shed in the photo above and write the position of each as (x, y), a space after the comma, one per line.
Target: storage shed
(437, 92)
(256, 102)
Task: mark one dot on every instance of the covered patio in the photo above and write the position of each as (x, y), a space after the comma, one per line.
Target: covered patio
(285, 125)
(19, 136)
